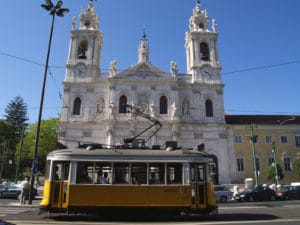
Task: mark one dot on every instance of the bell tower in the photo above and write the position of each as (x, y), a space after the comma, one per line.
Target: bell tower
(85, 47)
(201, 47)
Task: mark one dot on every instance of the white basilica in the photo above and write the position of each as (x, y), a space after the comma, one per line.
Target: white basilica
(189, 106)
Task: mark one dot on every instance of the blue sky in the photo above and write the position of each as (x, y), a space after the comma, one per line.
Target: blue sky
(253, 34)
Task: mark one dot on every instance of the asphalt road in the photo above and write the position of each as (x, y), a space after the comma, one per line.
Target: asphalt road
(278, 212)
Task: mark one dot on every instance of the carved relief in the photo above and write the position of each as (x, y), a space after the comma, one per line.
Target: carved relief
(185, 108)
(175, 130)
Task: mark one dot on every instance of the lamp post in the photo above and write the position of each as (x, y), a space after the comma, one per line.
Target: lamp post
(252, 140)
(53, 10)
(2, 160)
(20, 154)
(275, 164)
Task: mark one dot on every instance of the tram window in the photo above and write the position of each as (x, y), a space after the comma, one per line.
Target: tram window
(212, 172)
(102, 173)
(157, 173)
(84, 173)
(121, 173)
(174, 173)
(197, 173)
(201, 173)
(139, 173)
(60, 171)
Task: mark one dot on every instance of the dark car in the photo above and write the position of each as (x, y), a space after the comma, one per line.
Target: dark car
(256, 194)
(288, 192)
(14, 191)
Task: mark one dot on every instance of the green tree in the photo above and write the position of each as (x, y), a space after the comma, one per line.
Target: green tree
(16, 114)
(47, 143)
(296, 167)
(6, 132)
(271, 173)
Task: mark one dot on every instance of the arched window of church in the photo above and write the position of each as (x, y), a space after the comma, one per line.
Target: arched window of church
(163, 105)
(201, 25)
(204, 51)
(77, 106)
(122, 104)
(82, 49)
(209, 108)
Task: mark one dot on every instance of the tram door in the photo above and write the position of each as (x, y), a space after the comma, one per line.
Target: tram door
(60, 175)
(198, 181)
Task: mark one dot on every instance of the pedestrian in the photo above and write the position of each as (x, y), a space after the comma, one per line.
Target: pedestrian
(25, 190)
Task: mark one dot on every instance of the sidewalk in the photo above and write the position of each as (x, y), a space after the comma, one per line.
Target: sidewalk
(17, 204)
(35, 203)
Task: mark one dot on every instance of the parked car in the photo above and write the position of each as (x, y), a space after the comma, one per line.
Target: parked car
(222, 193)
(256, 194)
(14, 191)
(288, 192)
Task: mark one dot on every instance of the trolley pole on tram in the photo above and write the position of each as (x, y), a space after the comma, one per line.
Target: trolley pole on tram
(53, 10)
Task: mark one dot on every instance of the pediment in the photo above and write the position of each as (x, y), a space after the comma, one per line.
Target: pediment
(142, 71)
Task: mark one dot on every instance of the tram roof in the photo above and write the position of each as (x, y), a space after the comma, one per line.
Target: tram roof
(125, 153)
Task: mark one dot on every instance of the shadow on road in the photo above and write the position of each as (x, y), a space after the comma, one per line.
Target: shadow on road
(131, 218)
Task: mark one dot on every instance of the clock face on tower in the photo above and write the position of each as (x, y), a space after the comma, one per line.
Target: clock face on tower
(208, 72)
(80, 70)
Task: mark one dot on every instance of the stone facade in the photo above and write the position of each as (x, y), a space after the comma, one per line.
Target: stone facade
(189, 106)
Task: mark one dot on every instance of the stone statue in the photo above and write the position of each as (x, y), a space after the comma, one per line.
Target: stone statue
(174, 68)
(100, 106)
(111, 110)
(174, 111)
(74, 23)
(112, 68)
(214, 25)
(152, 109)
(185, 108)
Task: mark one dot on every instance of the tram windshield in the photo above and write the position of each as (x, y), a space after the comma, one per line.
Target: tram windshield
(60, 171)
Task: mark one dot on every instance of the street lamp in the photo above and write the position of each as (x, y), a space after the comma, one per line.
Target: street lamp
(252, 141)
(275, 164)
(20, 153)
(53, 10)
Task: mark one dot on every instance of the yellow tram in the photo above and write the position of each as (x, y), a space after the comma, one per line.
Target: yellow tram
(133, 181)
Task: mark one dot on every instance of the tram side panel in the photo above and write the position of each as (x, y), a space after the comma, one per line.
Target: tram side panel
(128, 196)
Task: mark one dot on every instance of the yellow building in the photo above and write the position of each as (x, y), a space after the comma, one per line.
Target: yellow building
(282, 132)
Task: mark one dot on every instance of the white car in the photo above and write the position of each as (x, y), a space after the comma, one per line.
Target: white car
(222, 193)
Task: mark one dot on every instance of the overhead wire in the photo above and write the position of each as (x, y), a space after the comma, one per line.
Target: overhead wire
(121, 70)
(224, 73)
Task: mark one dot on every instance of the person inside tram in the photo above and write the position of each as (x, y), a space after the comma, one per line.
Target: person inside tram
(154, 178)
(102, 177)
(56, 175)
(82, 174)
(134, 180)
